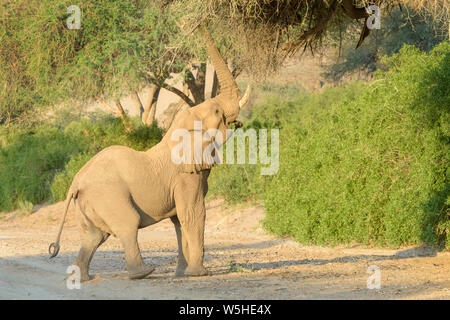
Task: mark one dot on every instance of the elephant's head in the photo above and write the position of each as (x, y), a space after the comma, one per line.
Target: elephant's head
(205, 124)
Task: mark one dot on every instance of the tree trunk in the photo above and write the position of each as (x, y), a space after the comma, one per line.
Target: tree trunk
(137, 101)
(123, 116)
(148, 116)
(178, 107)
(196, 83)
(120, 112)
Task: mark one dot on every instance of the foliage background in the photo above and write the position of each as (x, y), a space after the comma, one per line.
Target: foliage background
(121, 47)
(399, 27)
(363, 163)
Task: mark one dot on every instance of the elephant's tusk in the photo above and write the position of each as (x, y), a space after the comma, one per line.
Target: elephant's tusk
(245, 98)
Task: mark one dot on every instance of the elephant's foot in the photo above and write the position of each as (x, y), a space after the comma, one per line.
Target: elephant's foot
(196, 271)
(181, 268)
(85, 277)
(180, 273)
(84, 274)
(140, 274)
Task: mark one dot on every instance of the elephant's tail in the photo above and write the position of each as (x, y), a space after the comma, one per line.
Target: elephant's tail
(53, 249)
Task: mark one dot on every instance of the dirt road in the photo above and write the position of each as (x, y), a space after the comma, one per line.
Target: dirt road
(246, 263)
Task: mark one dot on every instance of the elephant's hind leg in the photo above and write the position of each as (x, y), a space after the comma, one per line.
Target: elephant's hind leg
(136, 267)
(124, 220)
(91, 239)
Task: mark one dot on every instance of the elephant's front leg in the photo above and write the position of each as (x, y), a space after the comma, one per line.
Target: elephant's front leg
(183, 250)
(192, 220)
(194, 232)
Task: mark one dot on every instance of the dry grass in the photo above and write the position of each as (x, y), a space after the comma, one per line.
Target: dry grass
(436, 10)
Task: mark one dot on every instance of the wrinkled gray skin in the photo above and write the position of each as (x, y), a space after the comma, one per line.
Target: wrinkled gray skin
(121, 190)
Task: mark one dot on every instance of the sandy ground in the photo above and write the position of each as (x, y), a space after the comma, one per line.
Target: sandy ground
(246, 263)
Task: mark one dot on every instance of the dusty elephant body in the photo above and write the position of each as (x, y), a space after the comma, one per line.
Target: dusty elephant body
(121, 190)
(143, 188)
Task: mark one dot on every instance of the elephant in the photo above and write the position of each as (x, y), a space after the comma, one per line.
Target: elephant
(121, 190)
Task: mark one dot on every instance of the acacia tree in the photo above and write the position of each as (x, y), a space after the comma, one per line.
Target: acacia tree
(132, 46)
(121, 47)
(260, 34)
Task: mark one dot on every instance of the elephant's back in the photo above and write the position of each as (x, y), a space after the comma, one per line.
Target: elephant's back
(107, 166)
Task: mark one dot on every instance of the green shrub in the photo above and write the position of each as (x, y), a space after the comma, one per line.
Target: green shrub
(62, 181)
(25, 207)
(28, 163)
(372, 165)
(236, 183)
(243, 182)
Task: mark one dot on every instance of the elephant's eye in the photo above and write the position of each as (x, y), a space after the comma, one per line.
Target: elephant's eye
(217, 111)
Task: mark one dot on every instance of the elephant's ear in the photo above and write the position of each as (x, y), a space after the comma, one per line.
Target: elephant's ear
(186, 143)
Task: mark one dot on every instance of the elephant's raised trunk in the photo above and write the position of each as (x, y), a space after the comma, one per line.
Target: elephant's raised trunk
(230, 97)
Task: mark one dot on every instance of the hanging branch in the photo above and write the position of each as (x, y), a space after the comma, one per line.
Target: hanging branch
(177, 107)
(151, 79)
(179, 93)
(306, 38)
